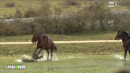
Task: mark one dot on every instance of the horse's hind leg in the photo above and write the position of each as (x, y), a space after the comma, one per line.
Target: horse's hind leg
(51, 54)
(47, 54)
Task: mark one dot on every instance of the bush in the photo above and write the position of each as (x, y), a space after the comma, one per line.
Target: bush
(28, 27)
(125, 3)
(10, 4)
(30, 13)
(61, 25)
(71, 3)
(99, 14)
(93, 18)
(83, 21)
(44, 10)
(18, 13)
(120, 22)
(7, 30)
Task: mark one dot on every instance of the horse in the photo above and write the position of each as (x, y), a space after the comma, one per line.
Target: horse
(43, 44)
(125, 38)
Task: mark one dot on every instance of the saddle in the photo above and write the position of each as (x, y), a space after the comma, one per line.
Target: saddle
(46, 38)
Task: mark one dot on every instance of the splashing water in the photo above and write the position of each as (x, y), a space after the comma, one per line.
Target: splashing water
(18, 60)
(30, 59)
(24, 57)
(119, 57)
(54, 58)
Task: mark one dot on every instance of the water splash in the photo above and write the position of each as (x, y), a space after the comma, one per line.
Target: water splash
(18, 60)
(30, 59)
(54, 58)
(119, 57)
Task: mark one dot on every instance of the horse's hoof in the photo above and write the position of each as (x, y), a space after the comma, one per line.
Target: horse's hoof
(41, 56)
(50, 59)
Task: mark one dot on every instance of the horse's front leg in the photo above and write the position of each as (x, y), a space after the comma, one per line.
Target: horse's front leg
(125, 54)
(34, 55)
(36, 50)
(47, 54)
(38, 54)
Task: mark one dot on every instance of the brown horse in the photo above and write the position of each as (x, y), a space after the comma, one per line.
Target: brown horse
(125, 38)
(42, 44)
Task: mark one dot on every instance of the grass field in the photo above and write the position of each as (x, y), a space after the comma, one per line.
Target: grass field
(71, 58)
(88, 48)
(109, 35)
(25, 4)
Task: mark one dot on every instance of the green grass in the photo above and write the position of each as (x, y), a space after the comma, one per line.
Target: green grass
(72, 37)
(86, 48)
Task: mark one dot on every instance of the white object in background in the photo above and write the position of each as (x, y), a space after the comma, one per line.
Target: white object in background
(113, 4)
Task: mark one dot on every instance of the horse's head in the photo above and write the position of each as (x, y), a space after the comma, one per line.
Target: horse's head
(119, 35)
(36, 37)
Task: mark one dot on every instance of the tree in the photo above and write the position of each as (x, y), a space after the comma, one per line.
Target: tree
(99, 14)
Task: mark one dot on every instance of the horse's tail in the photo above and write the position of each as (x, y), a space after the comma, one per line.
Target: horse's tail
(55, 48)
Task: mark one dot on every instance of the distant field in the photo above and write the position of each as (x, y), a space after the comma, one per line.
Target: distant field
(25, 4)
(110, 35)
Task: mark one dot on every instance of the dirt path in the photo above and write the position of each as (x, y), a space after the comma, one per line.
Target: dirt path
(88, 41)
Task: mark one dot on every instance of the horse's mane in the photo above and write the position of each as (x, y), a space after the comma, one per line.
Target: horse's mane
(125, 33)
(39, 33)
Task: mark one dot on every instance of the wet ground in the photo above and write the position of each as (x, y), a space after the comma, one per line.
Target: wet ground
(69, 63)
